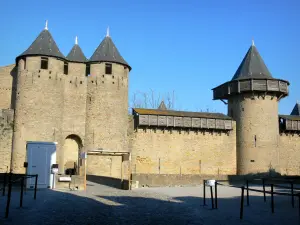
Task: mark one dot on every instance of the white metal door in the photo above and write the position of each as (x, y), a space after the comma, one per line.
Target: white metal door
(40, 157)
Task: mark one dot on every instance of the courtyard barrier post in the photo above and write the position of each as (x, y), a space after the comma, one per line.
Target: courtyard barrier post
(35, 186)
(21, 195)
(8, 196)
(212, 197)
(4, 184)
(216, 194)
(204, 194)
(292, 190)
(272, 197)
(247, 182)
(242, 203)
(264, 189)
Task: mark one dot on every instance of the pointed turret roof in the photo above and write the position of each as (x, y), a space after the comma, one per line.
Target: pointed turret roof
(296, 110)
(45, 45)
(252, 66)
(162, 106)
(76, 54)
(108, 52)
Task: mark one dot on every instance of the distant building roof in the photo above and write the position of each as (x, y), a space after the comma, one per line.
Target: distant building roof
(76, 54)
(252, 66)
(296, 110)
(43, 45)
(162, 106)
(143, 111)
(108, 52)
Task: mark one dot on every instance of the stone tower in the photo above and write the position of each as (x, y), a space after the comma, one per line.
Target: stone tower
(107, 102)
(253, 96)
(39, 98)
(74, 109)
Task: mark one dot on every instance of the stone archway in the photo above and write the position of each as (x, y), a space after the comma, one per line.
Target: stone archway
(71, 150)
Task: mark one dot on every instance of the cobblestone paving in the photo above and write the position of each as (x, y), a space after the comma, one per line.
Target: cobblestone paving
(177, 205)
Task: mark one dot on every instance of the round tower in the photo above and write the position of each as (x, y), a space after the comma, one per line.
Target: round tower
(253, 96)
(107, 106)
(74, 110)
(39, 97)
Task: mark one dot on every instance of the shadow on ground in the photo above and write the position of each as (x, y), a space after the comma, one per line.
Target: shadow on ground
(112, 206)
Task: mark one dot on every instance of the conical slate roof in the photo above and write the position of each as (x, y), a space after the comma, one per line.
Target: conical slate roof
(76, 54)
(296, 110)
(44, 45)
(252, 66)
(162, 106)
(108, 52)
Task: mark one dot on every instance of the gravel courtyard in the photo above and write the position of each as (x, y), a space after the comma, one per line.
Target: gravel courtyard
(169, 205)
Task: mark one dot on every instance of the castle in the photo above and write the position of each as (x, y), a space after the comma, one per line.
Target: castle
(82, 105)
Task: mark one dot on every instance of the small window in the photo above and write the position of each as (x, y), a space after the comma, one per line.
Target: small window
(66, 68)
(24, 63)
(108, 68)
(44, 63)
(87, 70)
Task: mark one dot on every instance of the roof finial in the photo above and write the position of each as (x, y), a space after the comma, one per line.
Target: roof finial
(46, 25)
(253, 42)
(107, 32)
(76, 40)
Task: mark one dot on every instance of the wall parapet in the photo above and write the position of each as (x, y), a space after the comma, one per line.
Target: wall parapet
(290, 123)
(178, 119)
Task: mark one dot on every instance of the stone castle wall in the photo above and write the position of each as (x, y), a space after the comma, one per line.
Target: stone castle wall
(183, 153)
(107, 120)
(7, 86)
(289, 153)
(39, 105)
(6, 133)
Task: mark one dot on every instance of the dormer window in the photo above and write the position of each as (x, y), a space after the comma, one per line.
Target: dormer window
(44, 63)
(66, 68)
(108, 68)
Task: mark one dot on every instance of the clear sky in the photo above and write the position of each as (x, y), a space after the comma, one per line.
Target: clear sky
(187, 46)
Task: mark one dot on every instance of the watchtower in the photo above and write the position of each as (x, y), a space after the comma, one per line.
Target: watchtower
(253, 96)
(107, 98)
(39, 98)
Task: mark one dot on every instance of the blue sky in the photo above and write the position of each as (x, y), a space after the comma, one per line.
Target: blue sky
(187, 46)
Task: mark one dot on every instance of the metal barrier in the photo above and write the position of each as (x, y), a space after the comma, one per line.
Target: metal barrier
(272, 193)
(22, 182)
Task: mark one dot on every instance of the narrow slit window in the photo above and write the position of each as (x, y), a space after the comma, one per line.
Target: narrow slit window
(66, 68)
(24, 63)
(108, 68)
(87, 70)
(44, 63)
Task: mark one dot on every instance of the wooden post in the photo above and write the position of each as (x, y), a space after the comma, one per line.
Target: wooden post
(35, 186)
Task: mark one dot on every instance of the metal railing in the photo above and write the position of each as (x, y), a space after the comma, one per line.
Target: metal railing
(9, 182)
(245, 186)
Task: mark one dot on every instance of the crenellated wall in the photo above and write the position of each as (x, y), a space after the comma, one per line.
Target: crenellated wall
(6, 133)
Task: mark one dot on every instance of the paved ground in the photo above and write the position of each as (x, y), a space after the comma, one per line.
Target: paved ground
(170, 205)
